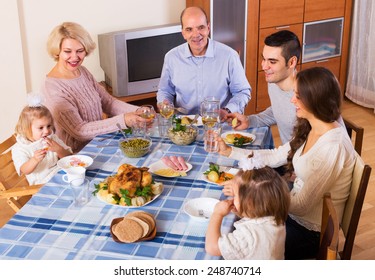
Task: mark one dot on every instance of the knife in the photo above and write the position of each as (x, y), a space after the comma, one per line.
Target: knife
(225, 166)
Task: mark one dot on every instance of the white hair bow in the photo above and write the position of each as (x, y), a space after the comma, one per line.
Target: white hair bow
(34, 99)
(254, 161)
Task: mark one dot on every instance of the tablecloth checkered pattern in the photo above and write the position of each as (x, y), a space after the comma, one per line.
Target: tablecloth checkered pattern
(49, 226)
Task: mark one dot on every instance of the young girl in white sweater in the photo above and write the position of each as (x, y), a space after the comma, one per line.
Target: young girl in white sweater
(261, 199)
(37, 149)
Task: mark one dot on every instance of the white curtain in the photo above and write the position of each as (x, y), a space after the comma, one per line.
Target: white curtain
(360, 86)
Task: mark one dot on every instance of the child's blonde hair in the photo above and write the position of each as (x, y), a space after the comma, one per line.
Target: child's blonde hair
(27, 116)
(262, 192)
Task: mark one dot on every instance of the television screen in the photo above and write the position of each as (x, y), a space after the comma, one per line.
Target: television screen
(146, 55)
(132, 60)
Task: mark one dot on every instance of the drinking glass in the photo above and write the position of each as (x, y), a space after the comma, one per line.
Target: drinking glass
(166, 110)
(146, 112)
(81, 192)
(211, 145)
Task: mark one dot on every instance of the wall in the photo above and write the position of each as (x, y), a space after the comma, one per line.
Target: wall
(12, 77)
(26, 25)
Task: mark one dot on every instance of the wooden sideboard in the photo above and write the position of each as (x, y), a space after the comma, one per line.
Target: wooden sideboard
(139, 99)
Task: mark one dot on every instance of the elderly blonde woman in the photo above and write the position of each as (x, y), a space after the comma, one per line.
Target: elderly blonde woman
(77, 101)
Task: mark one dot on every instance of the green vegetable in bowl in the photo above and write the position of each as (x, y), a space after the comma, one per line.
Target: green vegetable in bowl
(177, 125)
(135, 147)
(135, 143)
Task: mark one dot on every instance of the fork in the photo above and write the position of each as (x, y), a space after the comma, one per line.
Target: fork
(201, 214)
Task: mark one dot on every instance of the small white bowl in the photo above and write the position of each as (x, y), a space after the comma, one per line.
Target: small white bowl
(200, 208)
(74, 161)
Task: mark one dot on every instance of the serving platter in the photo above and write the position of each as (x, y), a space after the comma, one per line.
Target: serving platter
(246, 134)
(106, 197)
(160, 165)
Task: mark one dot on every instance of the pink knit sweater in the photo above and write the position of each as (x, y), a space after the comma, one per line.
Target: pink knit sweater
(77, 106)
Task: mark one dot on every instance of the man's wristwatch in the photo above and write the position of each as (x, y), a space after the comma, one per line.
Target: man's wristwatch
(226, 109)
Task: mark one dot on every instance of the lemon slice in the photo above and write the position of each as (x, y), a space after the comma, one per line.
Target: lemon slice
(186, 120)
(168, 172)
(234, 122)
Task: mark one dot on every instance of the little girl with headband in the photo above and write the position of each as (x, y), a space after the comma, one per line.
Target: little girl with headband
(37, 149)
(261, 199)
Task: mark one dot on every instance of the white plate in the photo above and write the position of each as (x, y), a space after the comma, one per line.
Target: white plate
(161, 165)
(203, 205)
(103, 198)
(75, 160)
(199, 120)
(231, 171)
(238, 132)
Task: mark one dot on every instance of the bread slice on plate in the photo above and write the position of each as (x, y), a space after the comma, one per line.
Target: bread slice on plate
(133, 227)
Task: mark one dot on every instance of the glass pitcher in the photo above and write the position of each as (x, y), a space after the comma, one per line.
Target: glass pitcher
(210, 111)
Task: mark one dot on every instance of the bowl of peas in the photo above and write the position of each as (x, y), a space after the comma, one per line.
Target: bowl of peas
(135, 147)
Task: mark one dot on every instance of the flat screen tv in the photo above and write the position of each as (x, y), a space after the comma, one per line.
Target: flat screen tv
(132, 59)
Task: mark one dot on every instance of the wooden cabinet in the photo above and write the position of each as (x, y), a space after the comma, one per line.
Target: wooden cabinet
(265, 17)
(332, 64)
(323, 9)
(280, 12)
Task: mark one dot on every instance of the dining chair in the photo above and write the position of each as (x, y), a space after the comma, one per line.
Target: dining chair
(359, 131)
(14, 188)
(353, 207)
(330, 228)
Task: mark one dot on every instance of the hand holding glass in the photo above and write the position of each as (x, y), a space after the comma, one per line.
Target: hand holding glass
(146, 112)
(166, 110)
(211, 145)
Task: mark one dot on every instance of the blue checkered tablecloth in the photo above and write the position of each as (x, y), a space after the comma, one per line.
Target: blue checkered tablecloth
(49, 226)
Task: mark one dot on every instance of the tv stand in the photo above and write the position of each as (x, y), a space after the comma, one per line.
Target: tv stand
(139, 99)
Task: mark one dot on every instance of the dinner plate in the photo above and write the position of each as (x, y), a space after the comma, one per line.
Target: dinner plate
(106, 199)
(238, 132)
(199, 120)
(221, 169)
(75, 160)
(161, 165)
(200, 208)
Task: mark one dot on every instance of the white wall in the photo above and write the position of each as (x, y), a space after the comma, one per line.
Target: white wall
(26, 24)
(12, 77)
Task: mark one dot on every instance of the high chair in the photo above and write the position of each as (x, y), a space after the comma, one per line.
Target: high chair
(14, 188)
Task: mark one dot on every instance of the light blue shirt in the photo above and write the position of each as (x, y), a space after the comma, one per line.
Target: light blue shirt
(186, 80)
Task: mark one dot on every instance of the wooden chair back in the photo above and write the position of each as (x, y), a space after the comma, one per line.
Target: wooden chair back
(13, 187)
(353, 207)
(358, 137)
(330, 228)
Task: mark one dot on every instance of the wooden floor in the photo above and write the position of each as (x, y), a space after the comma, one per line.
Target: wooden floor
(365, 240)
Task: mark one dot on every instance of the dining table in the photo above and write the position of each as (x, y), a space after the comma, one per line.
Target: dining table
(51, 227)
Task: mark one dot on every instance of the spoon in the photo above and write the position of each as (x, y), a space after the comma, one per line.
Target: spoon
(120, 129)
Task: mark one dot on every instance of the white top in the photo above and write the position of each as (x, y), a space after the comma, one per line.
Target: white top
(254, 239)
(326, 167)
(24, 150)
